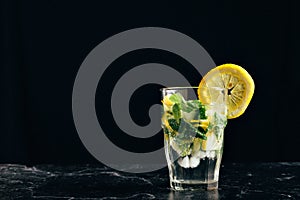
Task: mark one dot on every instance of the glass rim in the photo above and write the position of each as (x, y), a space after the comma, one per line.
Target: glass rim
(178, 88)
(187, 87)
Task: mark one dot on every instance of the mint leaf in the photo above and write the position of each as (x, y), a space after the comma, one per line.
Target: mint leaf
(188, 131)
(201, 135)
(217, 124)
(176, 98)
(202, 130)
(174, 124)
(220, 119)
(196, 104)
(176, 112)
(166, 131)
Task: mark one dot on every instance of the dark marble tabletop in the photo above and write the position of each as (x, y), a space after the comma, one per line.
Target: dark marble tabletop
(237, 181)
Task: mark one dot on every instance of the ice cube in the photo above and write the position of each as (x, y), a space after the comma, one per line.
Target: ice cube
(184, 162)
(202, 154)
(196, 154)
(211, 154)
(194, 162)
(211, 142)
(175, 146)
(199, 154)
(188, 116)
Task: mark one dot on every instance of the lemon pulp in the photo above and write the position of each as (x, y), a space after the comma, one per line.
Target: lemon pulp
(236, 81)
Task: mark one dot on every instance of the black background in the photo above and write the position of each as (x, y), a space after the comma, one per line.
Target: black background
(43, 44)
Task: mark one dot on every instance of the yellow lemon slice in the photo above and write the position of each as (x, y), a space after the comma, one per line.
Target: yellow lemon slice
(238, 85)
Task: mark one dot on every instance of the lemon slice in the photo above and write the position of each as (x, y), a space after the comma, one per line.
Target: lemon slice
(238, 85)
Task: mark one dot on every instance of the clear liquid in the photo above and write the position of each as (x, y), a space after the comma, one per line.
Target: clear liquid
(204, 176)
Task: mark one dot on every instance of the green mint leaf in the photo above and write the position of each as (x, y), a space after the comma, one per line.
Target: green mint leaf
(174, 124)
(176, 98)
(220, 119)
(201, 136)
(200, 129)
(188, 131)
(196, 104)
(202, 111)
(176, 112)
(166, 131)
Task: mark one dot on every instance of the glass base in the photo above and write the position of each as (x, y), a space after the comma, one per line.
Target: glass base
(193, 185)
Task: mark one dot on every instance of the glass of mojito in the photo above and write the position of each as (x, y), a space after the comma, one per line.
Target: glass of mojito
(193, 121)
(193, 137)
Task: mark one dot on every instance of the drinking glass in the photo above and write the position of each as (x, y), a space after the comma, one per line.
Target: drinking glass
(193, 137)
